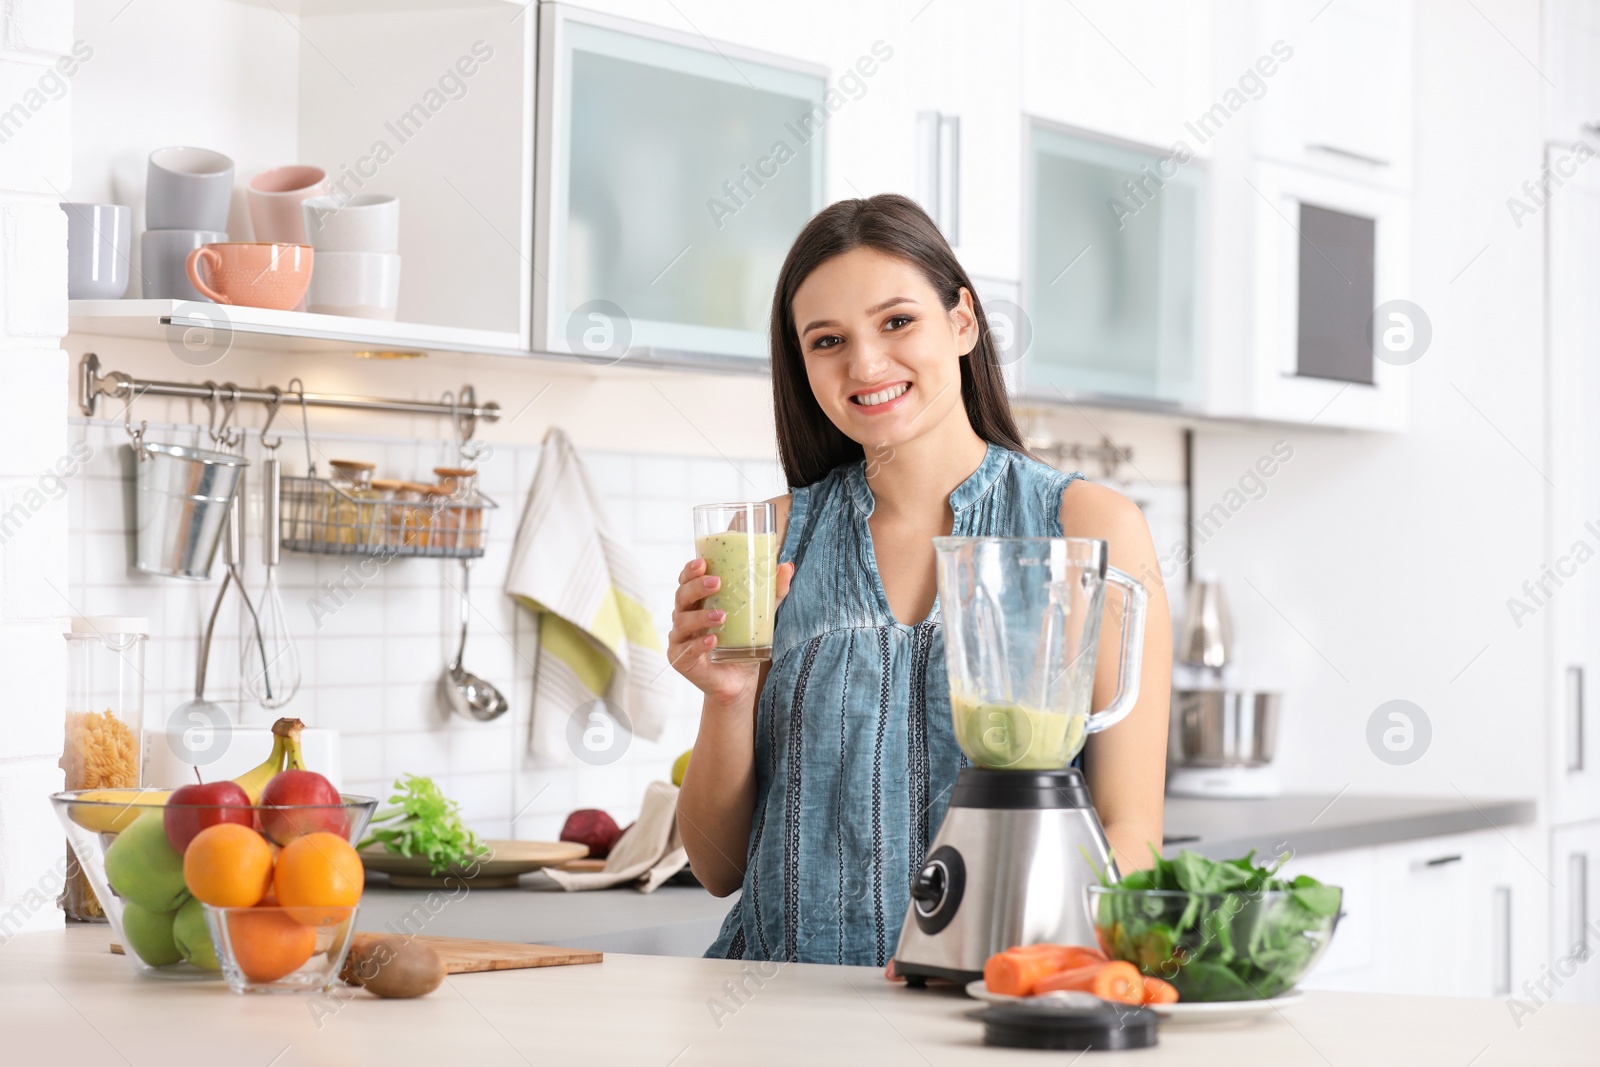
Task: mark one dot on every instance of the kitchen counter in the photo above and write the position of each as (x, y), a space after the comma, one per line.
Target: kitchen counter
(684, 920)
(1223, 829)
(64, 1000)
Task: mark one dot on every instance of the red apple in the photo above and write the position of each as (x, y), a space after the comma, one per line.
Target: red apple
(296, 803)
(192, 808)
(592, 827)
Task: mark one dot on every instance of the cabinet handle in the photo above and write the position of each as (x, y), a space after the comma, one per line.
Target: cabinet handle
(1440, 861)
(939, 170)
(1501, 964)
(1578, 902)
(1345, 153)
(1574, 719)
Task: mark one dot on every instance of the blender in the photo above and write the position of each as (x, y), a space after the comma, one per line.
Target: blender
(1020, 839)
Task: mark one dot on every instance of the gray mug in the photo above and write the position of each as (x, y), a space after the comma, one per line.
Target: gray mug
(188, 189)
(99, 238)
(163, 255)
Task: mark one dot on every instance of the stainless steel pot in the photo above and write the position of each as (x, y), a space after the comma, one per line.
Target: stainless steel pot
(1222, 728)
(181, 507)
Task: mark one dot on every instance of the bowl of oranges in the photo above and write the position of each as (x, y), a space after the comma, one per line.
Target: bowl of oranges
(254, 880)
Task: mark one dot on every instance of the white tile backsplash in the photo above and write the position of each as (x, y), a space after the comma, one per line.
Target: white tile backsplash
(373, 643)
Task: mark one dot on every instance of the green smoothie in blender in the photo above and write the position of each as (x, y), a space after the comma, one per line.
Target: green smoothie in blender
(1007, 736)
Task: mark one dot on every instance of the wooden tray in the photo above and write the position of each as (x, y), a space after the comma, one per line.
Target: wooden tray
(508, 861)
(463, 955)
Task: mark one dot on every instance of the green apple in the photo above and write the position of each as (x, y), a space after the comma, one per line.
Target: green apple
(680, 767)
(149, 935)
(191, 937)
(144, 868)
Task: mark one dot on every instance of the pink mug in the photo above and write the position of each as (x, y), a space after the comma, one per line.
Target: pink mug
(252, 274)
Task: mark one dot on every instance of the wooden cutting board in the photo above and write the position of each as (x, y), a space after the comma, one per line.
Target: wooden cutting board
(463, 955)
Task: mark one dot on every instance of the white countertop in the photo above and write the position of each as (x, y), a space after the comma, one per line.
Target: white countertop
(65, 1000)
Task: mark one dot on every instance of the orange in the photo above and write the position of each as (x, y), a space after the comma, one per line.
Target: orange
(267, 944)
(228, 866)
(317, 872)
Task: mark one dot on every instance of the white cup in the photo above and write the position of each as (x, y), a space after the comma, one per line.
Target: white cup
(364, 285)
(163, 258)
(368, 222)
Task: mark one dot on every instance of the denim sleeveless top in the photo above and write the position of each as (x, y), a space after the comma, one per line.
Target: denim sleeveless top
(855, 752)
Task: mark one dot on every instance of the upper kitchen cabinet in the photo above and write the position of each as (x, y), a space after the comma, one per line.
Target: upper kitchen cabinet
(674, 175)
(1333, 332)
(1340, 100)
(965, 62)
(1572, 235)
(1114, 283)
(431, 103)
(1131, 69)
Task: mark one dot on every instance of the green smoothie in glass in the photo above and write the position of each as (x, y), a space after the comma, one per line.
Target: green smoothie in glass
(739, 546)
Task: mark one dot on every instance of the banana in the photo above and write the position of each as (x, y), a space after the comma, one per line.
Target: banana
(255, 780)
(110, 811)
(294, 759)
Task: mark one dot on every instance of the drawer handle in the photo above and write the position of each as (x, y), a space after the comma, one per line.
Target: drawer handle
(1574, 719)
(1371, 161)
(1440, 861)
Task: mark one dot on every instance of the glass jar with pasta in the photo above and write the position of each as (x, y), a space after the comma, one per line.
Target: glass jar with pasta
(105, 719)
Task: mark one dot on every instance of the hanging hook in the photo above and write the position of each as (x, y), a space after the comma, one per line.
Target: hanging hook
(272, 413)
(211, 411)
(226, 437)
(299, 388)
(137, 436)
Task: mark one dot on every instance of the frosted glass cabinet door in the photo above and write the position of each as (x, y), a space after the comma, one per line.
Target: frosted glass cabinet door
(1113, 283)
(678, 177)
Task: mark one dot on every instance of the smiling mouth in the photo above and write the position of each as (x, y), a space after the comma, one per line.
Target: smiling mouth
(882, 396)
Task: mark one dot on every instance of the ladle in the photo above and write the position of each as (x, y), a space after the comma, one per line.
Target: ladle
(462, 691)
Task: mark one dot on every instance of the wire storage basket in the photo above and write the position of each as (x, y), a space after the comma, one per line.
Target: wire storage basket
(321, 517)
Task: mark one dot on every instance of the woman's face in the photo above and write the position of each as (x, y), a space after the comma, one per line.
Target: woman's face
(882, 355)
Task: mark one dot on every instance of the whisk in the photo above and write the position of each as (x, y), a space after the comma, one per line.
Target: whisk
(277, 680)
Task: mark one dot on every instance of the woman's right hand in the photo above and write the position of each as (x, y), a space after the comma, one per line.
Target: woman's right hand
(690, 643)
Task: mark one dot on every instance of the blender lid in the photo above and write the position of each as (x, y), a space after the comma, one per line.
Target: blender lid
(1027, 1024)
(110, 624)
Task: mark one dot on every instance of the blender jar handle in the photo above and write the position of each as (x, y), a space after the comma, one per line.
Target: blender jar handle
(1131, 658)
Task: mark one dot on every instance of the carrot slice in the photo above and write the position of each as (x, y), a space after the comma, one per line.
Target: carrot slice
(1015, 974)
(1157, 991)
(1117, 980)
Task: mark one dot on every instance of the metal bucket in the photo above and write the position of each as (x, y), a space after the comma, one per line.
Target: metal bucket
(182, 507)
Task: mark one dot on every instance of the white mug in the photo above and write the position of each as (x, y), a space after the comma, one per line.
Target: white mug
(361, 284)
(368, 222)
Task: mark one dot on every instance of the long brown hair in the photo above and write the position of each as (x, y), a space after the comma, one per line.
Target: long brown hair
(809, 444)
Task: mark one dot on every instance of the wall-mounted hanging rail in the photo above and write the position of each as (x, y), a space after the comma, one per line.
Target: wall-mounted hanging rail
(92, 385)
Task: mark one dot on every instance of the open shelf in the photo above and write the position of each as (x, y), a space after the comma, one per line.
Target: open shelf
(263, 328)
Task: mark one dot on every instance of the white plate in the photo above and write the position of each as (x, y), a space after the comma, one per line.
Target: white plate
(1192, 1012)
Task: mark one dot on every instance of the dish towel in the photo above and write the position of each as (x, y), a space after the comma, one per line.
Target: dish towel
(649, 853)
(596, 638)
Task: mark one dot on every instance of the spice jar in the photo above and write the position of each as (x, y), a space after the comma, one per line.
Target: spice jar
(105, 713)
(388, 526)
(444, 515)
(417, 518)
(466, 508)
(348, 514)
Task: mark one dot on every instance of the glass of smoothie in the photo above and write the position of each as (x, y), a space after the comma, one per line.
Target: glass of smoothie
(740, 545)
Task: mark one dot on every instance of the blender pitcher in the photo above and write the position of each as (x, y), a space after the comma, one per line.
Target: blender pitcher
(1022, 627)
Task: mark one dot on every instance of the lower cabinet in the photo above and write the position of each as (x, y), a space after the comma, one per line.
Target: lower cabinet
(1574, 952)
(1458, 915)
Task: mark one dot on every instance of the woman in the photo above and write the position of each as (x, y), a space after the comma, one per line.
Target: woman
(819, 779)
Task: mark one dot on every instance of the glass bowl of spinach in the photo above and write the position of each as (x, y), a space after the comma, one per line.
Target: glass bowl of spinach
(1216, 929)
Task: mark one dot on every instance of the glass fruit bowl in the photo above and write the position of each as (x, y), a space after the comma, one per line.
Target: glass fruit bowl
(120, 839)
(1216, 946)
(268, 949)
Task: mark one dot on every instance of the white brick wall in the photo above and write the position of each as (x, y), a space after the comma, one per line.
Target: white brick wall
(35, 166)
